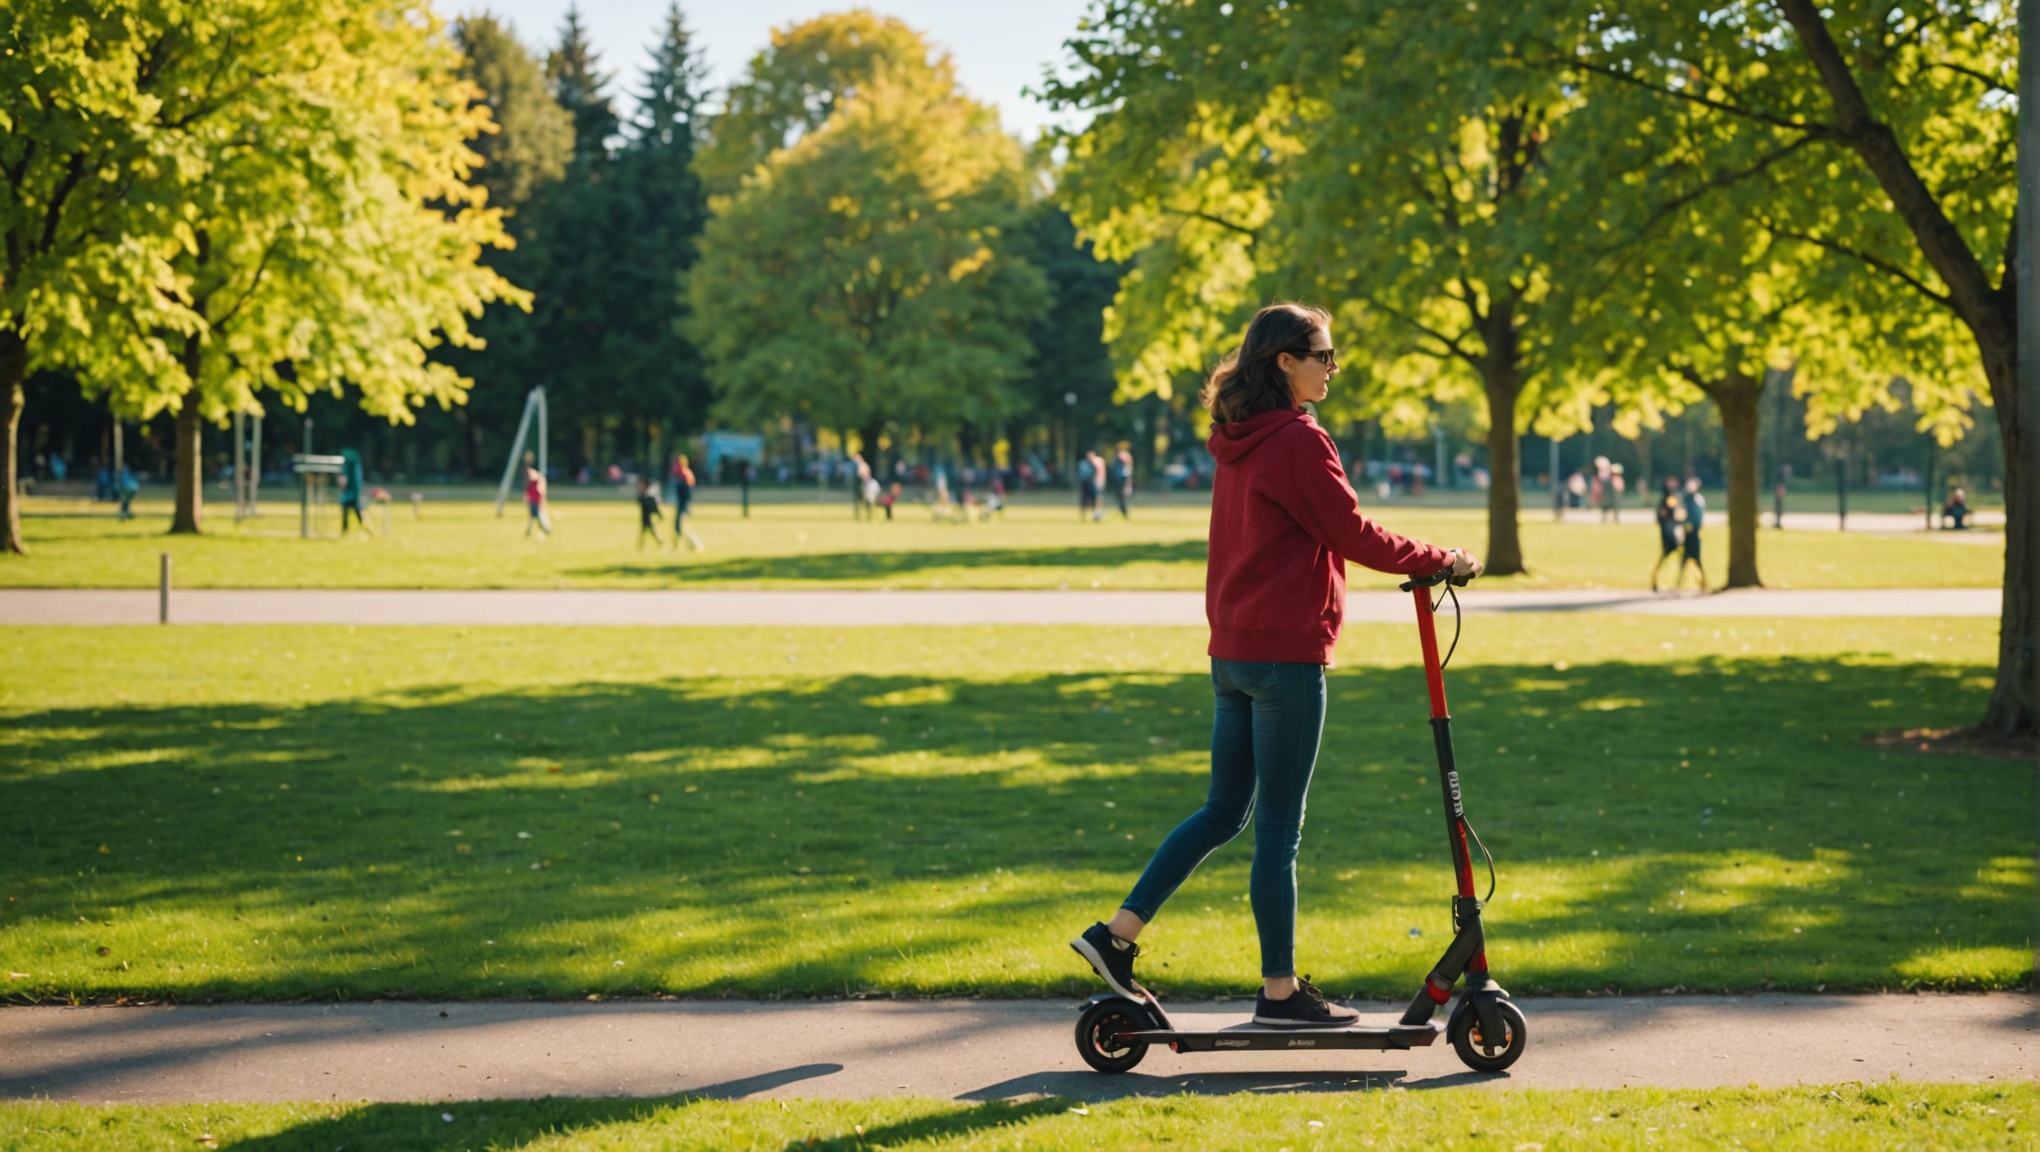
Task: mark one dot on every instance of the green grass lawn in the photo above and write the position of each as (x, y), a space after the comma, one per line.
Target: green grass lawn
(1870, 1118)
(463, 545)
(283, 813)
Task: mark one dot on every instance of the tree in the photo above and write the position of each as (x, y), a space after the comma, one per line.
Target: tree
(1911, 110)
(1353, 155)
(665, 206)
(332, 239)
(533, 136)
(99, 103)
(866, 273)
(799, 81)
(1070, 355)
(525, 155)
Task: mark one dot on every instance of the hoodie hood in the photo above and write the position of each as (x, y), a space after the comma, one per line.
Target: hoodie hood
(1230, 443)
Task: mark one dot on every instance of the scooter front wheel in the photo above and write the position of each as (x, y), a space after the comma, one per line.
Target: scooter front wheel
(1484, 1053)
(1098, 1031)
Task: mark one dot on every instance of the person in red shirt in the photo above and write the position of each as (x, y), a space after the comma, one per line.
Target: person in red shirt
(1284, 523)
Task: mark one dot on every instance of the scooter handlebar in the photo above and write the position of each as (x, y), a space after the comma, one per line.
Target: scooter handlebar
(1436, 578)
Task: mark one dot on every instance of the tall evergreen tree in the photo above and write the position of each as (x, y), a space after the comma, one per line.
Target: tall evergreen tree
(527, 154)
(659, 375)
(581, 87)
(584, 233)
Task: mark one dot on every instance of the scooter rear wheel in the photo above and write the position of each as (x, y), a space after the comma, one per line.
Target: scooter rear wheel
(1485, 1053)
(1097, 1032)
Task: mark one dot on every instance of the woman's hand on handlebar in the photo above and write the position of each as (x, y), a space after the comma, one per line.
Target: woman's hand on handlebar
(1465, 566)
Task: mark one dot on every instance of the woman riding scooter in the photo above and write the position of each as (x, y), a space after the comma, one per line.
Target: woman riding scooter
(1284, 521)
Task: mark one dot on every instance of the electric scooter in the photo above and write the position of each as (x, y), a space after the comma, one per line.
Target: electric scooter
(1485, 1028)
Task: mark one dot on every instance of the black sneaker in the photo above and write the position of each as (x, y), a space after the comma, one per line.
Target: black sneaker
(1304, 1008)
(1112, 957)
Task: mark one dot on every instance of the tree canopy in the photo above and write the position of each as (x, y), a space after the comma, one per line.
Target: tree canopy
(868, 272)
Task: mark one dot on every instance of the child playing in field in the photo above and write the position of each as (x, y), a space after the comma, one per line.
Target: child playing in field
(648, 513)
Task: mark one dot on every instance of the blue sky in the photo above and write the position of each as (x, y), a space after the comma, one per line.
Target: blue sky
(1000, 46)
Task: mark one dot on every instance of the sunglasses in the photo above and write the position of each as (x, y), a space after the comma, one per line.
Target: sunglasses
(1329, 357)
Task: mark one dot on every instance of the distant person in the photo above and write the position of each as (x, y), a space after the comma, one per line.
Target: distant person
(1671, 514)
(1122, 481)
(744, 476)
(648, 513)
(126, 487)
(535, 499)
(1778, 505)
(1617, 486)
(1601, 487)
(1087, 486)
(862, 485)
(1955, 513)
(352, 484)
(683, 503)
(888, 498)
(1696, 514)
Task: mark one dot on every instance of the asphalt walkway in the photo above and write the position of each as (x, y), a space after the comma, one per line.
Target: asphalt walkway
(957, 1049)
(861, 607)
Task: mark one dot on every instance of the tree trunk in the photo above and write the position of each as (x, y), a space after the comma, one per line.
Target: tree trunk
(190, 512)
(1500, 379)
(13, 370)
(1737, 395)
(2014, 708)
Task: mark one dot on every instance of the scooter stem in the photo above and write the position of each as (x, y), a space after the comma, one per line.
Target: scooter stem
(1467, 954)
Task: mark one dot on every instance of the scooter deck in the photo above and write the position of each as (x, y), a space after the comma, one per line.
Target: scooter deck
(1261, 1038)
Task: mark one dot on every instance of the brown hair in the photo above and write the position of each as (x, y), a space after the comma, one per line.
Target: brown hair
(1248, 382)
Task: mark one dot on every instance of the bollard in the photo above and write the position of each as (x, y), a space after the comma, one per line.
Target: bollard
(163, 592)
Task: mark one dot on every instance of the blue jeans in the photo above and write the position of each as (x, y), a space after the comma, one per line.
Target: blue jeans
(1264, 745)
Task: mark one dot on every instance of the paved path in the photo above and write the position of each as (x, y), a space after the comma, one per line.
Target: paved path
(970, 1050)
(848, 607)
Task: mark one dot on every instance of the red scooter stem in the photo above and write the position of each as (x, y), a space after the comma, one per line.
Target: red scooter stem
(1441, 720)
(1427, 634)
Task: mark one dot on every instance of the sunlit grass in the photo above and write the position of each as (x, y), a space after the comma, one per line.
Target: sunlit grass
(258, 813)
(1870, 1118)
(463, 545)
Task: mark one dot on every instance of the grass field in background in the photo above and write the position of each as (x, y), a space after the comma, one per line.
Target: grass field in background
(1841, 1118)
(789, 545)
(278, 813)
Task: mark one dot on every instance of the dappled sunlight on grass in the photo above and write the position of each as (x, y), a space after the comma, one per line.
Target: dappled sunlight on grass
(934, 813)
(1865, 1117)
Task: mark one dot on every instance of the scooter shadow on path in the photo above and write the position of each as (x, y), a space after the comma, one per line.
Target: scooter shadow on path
(1091, 1087)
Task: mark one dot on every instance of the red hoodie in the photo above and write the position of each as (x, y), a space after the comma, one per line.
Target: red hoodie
(1284, 521)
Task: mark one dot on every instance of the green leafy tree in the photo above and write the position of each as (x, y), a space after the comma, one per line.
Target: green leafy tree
(99, 107)
(333, 239)
(867, 274)
(1360, 156)
(1910, 111)
(809, 70)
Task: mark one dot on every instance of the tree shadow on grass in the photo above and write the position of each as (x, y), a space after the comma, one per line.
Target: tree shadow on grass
(645, 1123)
(879, 565)
(1708, 824)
